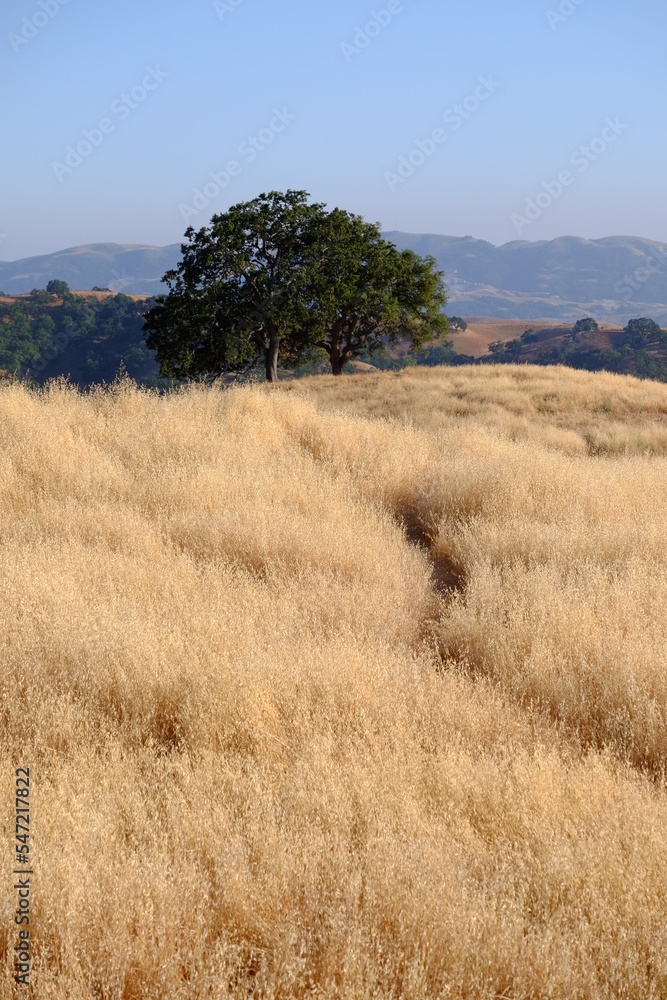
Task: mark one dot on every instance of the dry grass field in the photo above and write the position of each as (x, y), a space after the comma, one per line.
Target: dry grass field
(349, 688)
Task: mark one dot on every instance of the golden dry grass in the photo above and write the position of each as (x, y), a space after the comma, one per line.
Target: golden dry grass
(355, 689)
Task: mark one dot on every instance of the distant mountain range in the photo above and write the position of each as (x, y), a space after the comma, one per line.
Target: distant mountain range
(135, 270)
(612, 279)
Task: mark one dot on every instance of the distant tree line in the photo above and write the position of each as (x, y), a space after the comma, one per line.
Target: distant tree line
(279, 279)
(43, 333)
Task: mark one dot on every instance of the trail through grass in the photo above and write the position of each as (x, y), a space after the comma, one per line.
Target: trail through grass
(356, 690)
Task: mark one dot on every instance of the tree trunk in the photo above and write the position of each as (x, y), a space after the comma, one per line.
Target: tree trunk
(337, 364)
(271, 360)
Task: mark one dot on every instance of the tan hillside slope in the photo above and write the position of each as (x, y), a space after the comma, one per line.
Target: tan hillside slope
(483, 330)
(354, 688)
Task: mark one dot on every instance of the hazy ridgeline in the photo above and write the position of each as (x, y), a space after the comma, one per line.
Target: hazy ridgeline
(354, 689)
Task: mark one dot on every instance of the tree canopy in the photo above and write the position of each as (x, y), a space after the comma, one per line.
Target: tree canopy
(57, 287)
(642, 331)
(238, 292)
(458, 323)
(279, 276)
(363, 293)
(586, 325)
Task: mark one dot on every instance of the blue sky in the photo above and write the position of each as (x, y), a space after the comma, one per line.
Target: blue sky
(341, 98)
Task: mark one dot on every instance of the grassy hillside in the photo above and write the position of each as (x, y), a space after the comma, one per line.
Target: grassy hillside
(484, 330)
(640, 349)
(608, 348)
(349, 688)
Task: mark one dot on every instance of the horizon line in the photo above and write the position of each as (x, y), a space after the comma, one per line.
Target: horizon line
(385, 232)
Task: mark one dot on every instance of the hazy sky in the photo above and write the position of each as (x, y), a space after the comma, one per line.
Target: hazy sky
(422, 115)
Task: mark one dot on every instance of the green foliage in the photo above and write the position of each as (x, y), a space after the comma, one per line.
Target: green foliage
(238, 292)
(641, 332)
(16, 341)
(279, 275)
(363, 294)
(443, 354)
(81, 337)
(59, 288)
(587, 325)
(458, 324)
(430, 355)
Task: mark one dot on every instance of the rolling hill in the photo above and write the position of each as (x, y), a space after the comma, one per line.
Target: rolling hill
(131, 269)
(613, 279)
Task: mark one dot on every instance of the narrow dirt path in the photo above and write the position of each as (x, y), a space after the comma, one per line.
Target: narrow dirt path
(448, 579)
